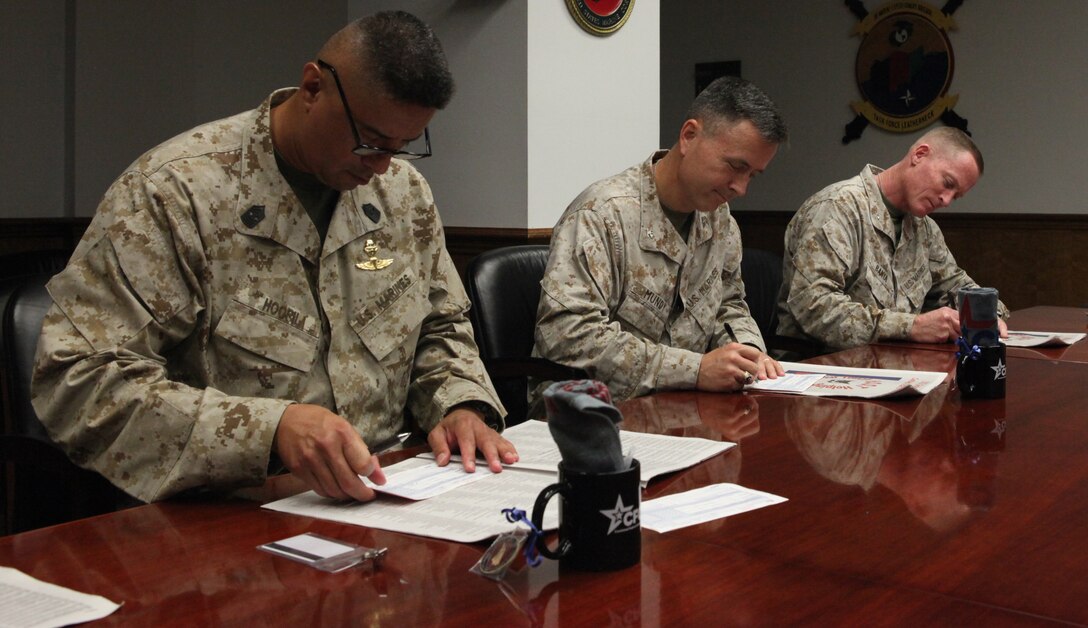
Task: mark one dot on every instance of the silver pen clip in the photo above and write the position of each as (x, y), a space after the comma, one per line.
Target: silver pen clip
(389, 443)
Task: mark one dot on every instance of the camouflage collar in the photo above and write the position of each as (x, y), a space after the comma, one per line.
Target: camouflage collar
(359, 212)
(878, 210)
(266, 205)
(656, 233)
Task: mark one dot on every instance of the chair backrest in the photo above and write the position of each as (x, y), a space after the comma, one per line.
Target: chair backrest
(26, 304)
(40, 485)
(762, 274)
(504, 287)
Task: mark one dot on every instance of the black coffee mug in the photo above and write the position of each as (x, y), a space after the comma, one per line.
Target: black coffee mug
(599, 526)
(982, 375)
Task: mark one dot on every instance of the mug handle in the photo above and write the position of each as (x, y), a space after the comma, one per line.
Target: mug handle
(538, 520)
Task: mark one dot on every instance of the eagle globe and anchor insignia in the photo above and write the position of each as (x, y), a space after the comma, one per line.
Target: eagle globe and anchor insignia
(904, 67)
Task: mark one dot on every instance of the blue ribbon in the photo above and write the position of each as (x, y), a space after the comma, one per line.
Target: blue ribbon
(532, 554)
(966, 351)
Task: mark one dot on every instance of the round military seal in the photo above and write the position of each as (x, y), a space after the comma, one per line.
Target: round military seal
(600, 17)
(904, 66)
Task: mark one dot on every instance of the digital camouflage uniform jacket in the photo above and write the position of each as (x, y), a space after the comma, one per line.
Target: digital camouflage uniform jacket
(186, 321)
(844, 280)
(626, 299)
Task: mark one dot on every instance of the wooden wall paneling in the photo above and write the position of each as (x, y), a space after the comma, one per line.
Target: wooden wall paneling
(1031, 259)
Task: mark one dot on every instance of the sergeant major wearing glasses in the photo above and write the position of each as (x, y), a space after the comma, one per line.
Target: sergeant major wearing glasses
(274, 287)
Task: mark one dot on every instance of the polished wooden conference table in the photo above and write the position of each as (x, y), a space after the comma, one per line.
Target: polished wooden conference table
(919, 511)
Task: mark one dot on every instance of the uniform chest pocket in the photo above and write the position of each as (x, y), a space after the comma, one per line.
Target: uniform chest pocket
(916, 288)
(879, 288)
(636, 315)
(706, 300)
(267, 336)
(392, 319)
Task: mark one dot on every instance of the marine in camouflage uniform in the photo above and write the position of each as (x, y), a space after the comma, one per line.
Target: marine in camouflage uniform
(643, 288)
(202, 304)
(625, 298)
(846, 282)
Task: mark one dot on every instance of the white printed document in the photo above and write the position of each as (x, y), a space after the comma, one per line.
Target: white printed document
(27, 601)
(467, 507)
(657, 454)
(701, 505)
(790, 382)
(842, 381)
(472, 512)
(413, 481)
(1040, 339)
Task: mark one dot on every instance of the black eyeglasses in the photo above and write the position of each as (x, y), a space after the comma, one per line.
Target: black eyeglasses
(366, 150)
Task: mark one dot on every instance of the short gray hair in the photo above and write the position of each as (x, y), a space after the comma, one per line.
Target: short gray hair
(734, 99)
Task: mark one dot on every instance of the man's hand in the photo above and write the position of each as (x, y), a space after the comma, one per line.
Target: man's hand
(326, 453)
(726, 368)
(1002, 328)
(464, 429)
(940, 325)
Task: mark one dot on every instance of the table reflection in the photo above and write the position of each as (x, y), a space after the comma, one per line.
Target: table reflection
(940, 460)
(715, 417)
(730, 418)
(892, 357)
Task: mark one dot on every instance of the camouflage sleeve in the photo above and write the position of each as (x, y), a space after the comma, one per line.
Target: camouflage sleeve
(447, 368)
(735, 322)
(581, 287)
(946, 276)
(101, 385)
(824, 257)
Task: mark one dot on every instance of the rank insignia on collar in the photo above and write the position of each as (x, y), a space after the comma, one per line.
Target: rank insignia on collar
(253, 216)
(374, 263)
(373, 213)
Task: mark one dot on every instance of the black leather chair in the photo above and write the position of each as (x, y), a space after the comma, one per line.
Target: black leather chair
(762, 274)
(40, 485)
(504, 287)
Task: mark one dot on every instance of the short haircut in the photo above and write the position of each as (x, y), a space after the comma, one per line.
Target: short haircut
(952, 138)
(404, 56)
(733, 99)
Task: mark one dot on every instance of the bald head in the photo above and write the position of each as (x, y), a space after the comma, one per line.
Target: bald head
(398, 53)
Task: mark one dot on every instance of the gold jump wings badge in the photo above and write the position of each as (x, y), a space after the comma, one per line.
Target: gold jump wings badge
(374, 263)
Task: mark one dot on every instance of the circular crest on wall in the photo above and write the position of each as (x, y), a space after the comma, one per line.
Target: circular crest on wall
(904, 67)
(600, 17)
